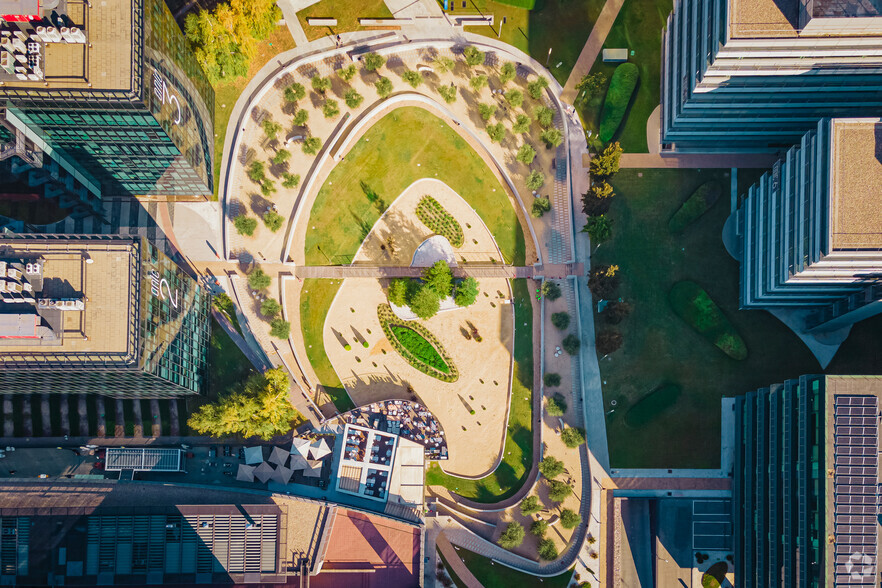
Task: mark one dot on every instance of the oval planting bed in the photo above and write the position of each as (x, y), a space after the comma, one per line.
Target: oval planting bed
(420, 348)
(694, 305)
(439, 221)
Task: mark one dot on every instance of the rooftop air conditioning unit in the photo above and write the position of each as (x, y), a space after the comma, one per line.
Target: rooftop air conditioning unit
(43, 34)
(77, 35)
(54, 35)
(7, 62)
(65, 33)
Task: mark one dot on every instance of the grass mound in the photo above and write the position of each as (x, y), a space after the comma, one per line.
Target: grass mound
(651, 405)
(419, 347)
(439, 221)
(621, 88)
(692, 304)
(696, 205)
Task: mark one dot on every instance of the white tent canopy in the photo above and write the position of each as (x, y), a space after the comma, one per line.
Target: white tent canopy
(319, 449)
(263, 472)
(282, 475)
(245, 473)
(279, 456)
(298, 462)
(314, 470)
(299, 446)
(253, 455)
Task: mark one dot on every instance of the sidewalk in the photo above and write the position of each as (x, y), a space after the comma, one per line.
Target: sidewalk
(592, 47)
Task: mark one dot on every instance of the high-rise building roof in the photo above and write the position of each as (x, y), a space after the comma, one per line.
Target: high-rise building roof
(856, 184)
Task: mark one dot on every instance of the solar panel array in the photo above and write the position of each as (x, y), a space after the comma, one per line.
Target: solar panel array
(855, 489)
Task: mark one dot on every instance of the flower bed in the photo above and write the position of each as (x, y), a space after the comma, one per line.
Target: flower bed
(420, 348)
(439, 221)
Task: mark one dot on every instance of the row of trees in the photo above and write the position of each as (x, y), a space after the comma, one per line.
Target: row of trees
(259, 281)
(423, 296)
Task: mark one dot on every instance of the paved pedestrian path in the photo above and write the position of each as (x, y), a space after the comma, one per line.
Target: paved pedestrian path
(592, 47)
(456, 564)
(697, 160)
(372, 271)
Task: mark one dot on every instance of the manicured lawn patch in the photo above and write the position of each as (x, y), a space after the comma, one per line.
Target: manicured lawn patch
(419, 347)
(383, 162)
(693, 305)
(439, 221)
(698, 203)
(456, 581)
(652, 404)
(346, 12)
(315, 301)
(618, 97)
(525, 4)
(499, 576)
(228, 367)
(518, 449)
(129, 416)
(715, 575)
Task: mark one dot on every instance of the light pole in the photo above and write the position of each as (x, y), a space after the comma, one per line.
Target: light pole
(547, 59)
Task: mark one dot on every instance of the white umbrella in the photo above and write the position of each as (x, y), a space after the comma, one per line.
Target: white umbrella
(319, 449)
(263, 472)
(278, 456)
(298, 462)
(314, 470)
(282, 475)
(253, 455)
(245, 473)
(299, 446)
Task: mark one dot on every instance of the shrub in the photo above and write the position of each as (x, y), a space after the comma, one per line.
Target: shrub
(547, 550)
(290, 180)
(466, 292)
(311, 145)
(347, 73)
(424, 303)
(558, 490)
(271, 129)
(521, 125)
(692, 304)
(281, 156)
(537, 87)
(270, 308)
(561, 320)
(258, 279)
(398, 291)
(618, 96)
(365, 344)
(715, 575)
(530, 505)
(572, 437)
(473, 56)
(245, 225)
(526, 154)
(373, 61)
(555, 406)
(300, 117)
(267, 188)
(646, 409)
(616, 311)
(413, 78)
(352, 98)
(541, 205)
(551, 137)
(507, 72)
(320, 84)
(496, 132)
(280, 328)
(696, 205)
(605, 164)
(539, 528)
(443, 64)
(478, 83)
(603, 281)
(294, 92)
(551, 379)
(347, 347)
(569, 519)
(448, 93)
(512, 536)
(544, 115)
(551, 467)
(589, 86)
(599, 228)
(273, 220)
(383, 87)
(330, 108)
(486, 110)
(514, 97)
(571, 344)
(439, 279)
(551, 290)
(439, 221)
(535, 180)
(257, 172)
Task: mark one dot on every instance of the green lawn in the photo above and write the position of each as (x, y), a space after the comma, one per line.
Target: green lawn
(346, 12)
(384, 161)
(228, 368)
(456, 581)
(518, 449)
(499, 576)
(315, 301)
(639, 28)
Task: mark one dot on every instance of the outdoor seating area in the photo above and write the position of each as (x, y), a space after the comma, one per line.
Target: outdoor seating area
(407, 419)
(381, 449)
(356, 445)
(375, 484)
(303, 463)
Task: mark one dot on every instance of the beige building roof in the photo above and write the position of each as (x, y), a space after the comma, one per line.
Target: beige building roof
(762, 18)
(856, 184)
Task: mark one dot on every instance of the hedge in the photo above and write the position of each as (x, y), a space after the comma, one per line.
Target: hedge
(652, 404)
(439, 221)
(705, 196)
(528, 4)
(693, 305)
(621, 88)
(414, 347)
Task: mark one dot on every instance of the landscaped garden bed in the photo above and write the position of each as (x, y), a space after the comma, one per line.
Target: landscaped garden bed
(420, 348)
(693, 305)
(439, 221)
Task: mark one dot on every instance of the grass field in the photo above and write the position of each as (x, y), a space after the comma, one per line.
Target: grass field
(346, 12)
(499, 576)
(386, 159)
(315, 301)
(228, 368)
(518, 449)
(639, 28)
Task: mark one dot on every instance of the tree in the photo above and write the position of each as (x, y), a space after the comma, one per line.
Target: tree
(373, 61)
(294, 92)
(383, 87)
(281, 156)
(551, 290)
(448, 93)
(220, 43)
(280, 328)
(330, 108)
(569, 519)
(530, 505)
(561, 320)
(260, 409)
(424, 303)
(267, 188)
(514, 97)
(347, 73)
(320, 84)
(478, 83)
(300, 117)
(486, 110)
(466, 292)
(544, 115)
(512, 536)
(556, 406)
(539, 528)
(526, 154)
(571, 344)
(443, 64)
(521, 124)
(599, 228)
(290, 180)
(245, 225)
(259, 279)
(608, 341)
(270, 308)
(572, 437)
(496, 132)
(397, 294)
(535, 180)
(589, 86)
(606, 164)
(353, 98)
(616, 311)
(273, 220)
(311, 145)
(547, 550)
(537, 87)
(413, 78)
(507, 72)
(551, 137)
(558, 490)
(257, 172)
(439, 279)
(271, 129)
(603, 281)
(551, 467)
(541, 205)
(473, 56)
(551, 379)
